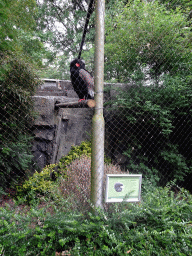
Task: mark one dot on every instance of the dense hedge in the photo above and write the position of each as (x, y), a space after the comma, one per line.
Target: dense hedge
(152, 128)
(159, 225)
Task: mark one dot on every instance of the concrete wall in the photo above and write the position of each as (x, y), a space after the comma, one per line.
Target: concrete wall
(56, 130)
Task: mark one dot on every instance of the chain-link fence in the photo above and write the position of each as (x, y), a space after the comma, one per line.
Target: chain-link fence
(147, 110)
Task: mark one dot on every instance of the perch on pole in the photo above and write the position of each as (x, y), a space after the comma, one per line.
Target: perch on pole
(76, 104)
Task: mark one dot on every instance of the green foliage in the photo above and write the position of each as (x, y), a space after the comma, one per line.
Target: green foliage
(15, 159)
(184, 5)
(18, 31)
(42, 183)
(159, 225)
(61, 24)
(76, 151)
(148, 45)
(152, 118)
(20, 51)
(16, 16)
(39, 184)
(146, 35)
(17, 84)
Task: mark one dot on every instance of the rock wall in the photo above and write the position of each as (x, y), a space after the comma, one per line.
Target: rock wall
(56, 130)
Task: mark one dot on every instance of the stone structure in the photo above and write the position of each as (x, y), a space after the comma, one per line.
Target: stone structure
(56, 130)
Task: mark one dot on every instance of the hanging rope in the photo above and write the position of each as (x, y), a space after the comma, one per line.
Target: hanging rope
(89, 12)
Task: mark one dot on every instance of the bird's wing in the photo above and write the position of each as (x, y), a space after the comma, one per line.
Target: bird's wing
(88, 79)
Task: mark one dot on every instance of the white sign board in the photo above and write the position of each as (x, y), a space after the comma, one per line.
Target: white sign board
(123, 187)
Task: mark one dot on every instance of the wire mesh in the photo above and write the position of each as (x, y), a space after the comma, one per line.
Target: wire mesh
(147, 109)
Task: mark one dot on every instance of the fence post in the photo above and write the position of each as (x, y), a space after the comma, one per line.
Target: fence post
(97, 159)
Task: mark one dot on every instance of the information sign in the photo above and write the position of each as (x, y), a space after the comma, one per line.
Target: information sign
(123, 187)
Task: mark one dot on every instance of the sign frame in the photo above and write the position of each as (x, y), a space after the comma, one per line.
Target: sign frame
(123, 183)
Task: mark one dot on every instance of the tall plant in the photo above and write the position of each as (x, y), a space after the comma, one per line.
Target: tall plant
(145, 38)
(157, 123)
(148, 45)
(17, 84)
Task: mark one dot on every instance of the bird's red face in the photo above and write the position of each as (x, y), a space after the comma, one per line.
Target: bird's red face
(77, 65)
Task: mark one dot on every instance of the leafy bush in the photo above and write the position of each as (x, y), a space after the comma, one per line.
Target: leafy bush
(156, 121)
(159, 225)
(145, 38)
(17, 84)
(150, 49)
(77, 185)
(39, 184)
(42, 183)
(76, 151)
(15, 158)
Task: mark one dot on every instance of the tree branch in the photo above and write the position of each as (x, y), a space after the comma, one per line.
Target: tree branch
(76, 104)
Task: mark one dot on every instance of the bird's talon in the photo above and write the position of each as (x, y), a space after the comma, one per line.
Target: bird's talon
(81, 100)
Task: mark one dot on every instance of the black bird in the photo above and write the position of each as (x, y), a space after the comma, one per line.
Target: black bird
(81, 79)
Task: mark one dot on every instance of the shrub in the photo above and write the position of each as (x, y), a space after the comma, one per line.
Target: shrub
(17, 84)
(159, 225)
(155, 122)
(15, 159)
(40, 184)
(76, 151)
(77, 185)
(43, 183)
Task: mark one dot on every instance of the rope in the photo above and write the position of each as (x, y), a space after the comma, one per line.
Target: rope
(89, 12)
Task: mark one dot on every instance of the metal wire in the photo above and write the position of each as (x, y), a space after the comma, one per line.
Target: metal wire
(141, 121)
